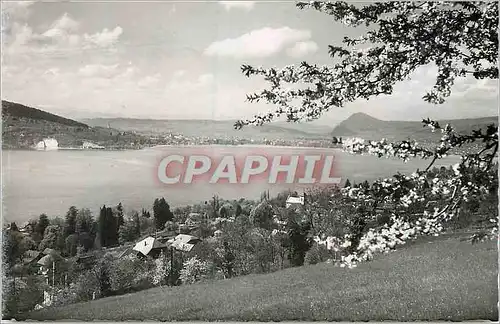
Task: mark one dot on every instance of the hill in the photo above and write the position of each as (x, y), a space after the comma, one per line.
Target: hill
(213, 128)
(16, 110)
(434, 279)
(368, 127)
(23, 127)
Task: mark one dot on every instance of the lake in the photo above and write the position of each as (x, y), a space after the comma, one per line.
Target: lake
(36, 182)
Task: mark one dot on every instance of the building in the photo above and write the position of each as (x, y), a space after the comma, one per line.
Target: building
(47, 144)
(151, 246)
(294, 201)
(183, 242)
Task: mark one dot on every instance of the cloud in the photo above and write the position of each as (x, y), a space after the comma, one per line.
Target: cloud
(179, 73)
(104, 38)
(301, 49)
(62, 36)
(65, 23)
(263, 42)
(99, 70)
(178, 85)
(205, 79)
(149, 80)
(246, 5)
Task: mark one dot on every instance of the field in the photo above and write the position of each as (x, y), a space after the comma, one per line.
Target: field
(441, 278)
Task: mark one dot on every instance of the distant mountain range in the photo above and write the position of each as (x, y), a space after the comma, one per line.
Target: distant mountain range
(23, 126)
(214, 128)
(368, 127)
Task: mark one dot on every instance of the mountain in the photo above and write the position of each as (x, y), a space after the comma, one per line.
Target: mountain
(213, 128)
(368, 127)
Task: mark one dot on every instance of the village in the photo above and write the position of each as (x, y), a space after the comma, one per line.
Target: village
(176, 240)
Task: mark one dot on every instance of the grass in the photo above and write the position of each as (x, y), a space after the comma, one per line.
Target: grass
(436, 279)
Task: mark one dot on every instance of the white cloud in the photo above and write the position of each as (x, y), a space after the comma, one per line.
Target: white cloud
(263, 42)
(65, 22)
(150, 80)
(246, 5)
(301, 49)
(182, 86)
(104, 38)
(179, 73)
(62, 36)
(99, 70)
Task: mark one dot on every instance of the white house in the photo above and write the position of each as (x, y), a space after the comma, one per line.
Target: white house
(294, 201)
(48, 144)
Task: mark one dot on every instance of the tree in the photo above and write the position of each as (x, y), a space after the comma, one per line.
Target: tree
(71, 244)
(13, 227)
(119, 215)
(262, 215)
(194, 270)
(226, 210)
(161, 213)
(145, 213)
(299, 239)
(128, 232)
(137, 224)
(461, 39)
(52, 238)
(41, 225)
(84, 221)
(11, 246)
(238, 210)
(347, 184)
(214, 207)
(70, 221)
(107, 227)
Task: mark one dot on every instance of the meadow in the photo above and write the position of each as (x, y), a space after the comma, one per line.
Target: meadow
(433, 278)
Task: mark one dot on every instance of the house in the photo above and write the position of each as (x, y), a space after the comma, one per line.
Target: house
(151, 246)
(26, 228)
(294, 201)
(183, 242)
(31, 257)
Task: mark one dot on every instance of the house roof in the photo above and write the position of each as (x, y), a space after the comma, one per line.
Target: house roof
(47, 260)
(184, 242)
(48, 251)
(144, 246)
(295, 200)
(148, 244)
(31, 255)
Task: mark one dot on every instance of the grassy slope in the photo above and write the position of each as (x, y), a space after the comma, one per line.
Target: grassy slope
(435, 279)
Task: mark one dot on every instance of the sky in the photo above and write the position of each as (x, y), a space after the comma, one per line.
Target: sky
(182, 60)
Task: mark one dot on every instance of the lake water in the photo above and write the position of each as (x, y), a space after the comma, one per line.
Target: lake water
(36, 182)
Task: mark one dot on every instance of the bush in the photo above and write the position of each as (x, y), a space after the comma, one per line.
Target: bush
(64, 296)
(130, 274)
(317, 254)
(85, 286)
(194, 270)
(26, 295)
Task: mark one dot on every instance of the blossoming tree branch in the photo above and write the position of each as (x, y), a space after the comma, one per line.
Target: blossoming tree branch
(461, 39)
